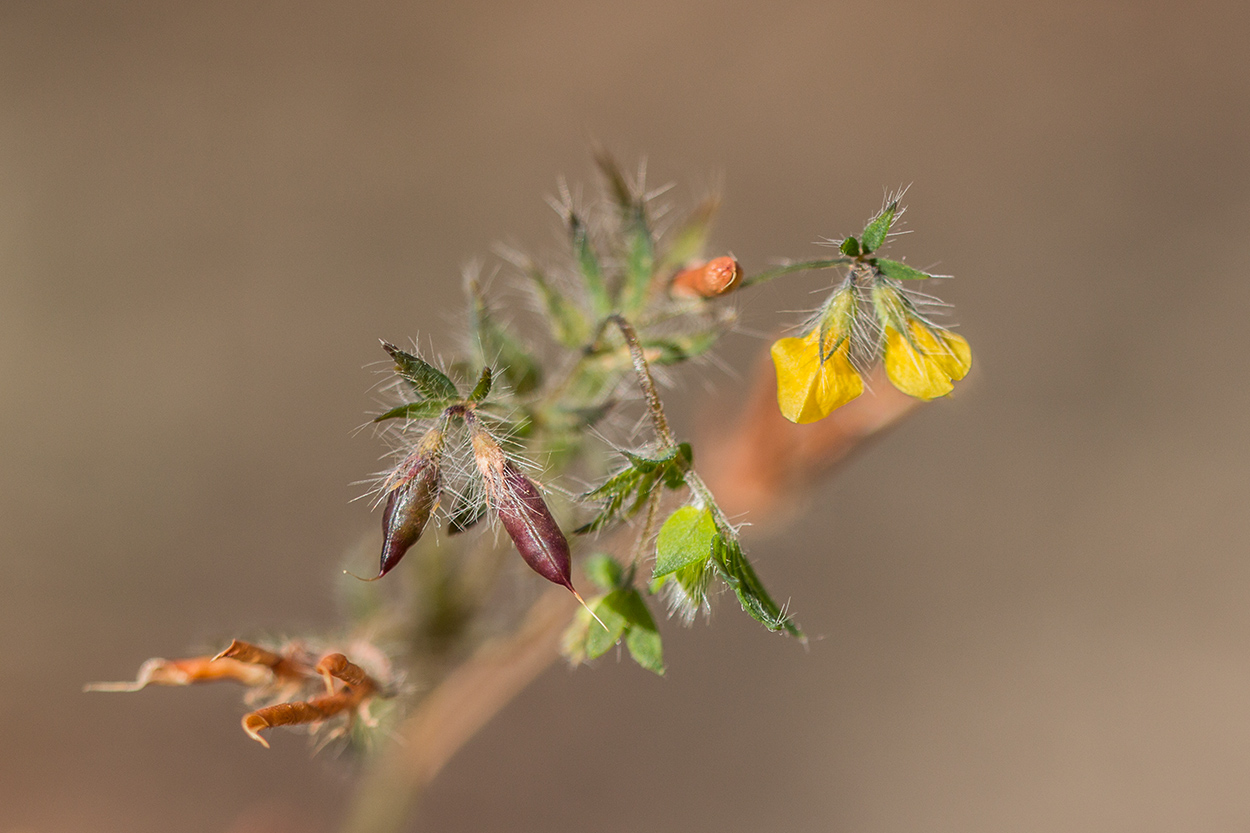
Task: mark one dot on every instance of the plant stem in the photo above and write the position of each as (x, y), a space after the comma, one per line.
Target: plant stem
(663, 433)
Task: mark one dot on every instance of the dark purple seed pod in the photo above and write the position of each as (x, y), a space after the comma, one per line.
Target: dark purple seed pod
(528, 522)
(410, 502)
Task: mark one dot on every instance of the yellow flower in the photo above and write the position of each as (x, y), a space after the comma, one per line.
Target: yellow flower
(925, 362)
(809, 389)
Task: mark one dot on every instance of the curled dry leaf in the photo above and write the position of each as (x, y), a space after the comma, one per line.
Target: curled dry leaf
(358, 688)
(158, 671)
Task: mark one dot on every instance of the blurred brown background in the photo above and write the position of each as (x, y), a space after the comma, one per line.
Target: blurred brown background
(1029, 603)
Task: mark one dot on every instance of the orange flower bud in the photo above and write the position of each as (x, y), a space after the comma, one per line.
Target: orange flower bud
(716, 277)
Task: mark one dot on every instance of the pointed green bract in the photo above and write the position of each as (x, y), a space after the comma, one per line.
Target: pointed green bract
(568, 325)
(850, 247)
(425, 409)
(425, 378)
(588, 262)
(498, 347)
(686, 538)
(482, 389)
(875, 232)
(899, 271)
(687, 242)
(639, 253)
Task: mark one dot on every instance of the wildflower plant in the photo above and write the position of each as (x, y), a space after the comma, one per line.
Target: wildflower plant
(523, 446)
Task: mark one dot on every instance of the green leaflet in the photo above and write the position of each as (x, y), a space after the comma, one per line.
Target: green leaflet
(604, 570)
(850, 247)
(498, 347)
(624, 614)
(899, 271)
(687, 538)
(876, 230)
(426, 379)
(733, 567)
(626, 492)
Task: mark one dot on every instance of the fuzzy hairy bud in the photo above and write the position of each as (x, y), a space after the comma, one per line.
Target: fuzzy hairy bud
(411, 499)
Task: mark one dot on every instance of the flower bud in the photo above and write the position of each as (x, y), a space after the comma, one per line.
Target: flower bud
(716, 277)
(523, 513)
(411, 499)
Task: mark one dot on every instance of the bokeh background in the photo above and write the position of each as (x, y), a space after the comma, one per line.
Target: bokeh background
(1029, 602)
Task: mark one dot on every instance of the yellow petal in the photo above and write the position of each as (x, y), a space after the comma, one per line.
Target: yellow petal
(926, 366)
(808, 390)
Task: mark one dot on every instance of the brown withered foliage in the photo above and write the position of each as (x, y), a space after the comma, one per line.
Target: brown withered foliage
(270, 675)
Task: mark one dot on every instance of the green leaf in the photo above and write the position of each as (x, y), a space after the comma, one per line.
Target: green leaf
(877, 229)
(482, 389)
(428, 380)
(733, 567)
(686, 538)
(850, 247)
(623, 614)
(686, 589)
(604, 570)
(899, 271)
(588, 261)
(498, 347)
(568, 325)
(601, 638)
(639, 480)
(646, 648)
(642, 638)
(425, 409)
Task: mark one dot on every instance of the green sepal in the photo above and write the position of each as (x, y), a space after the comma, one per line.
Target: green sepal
(686, 538)
(482, 389)
(877, 229)
(899, 271)
(424, 377)
(425, 409)
(568, 324)
(849, 247)
(588, 262)
(734, 568)
(499, 348)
